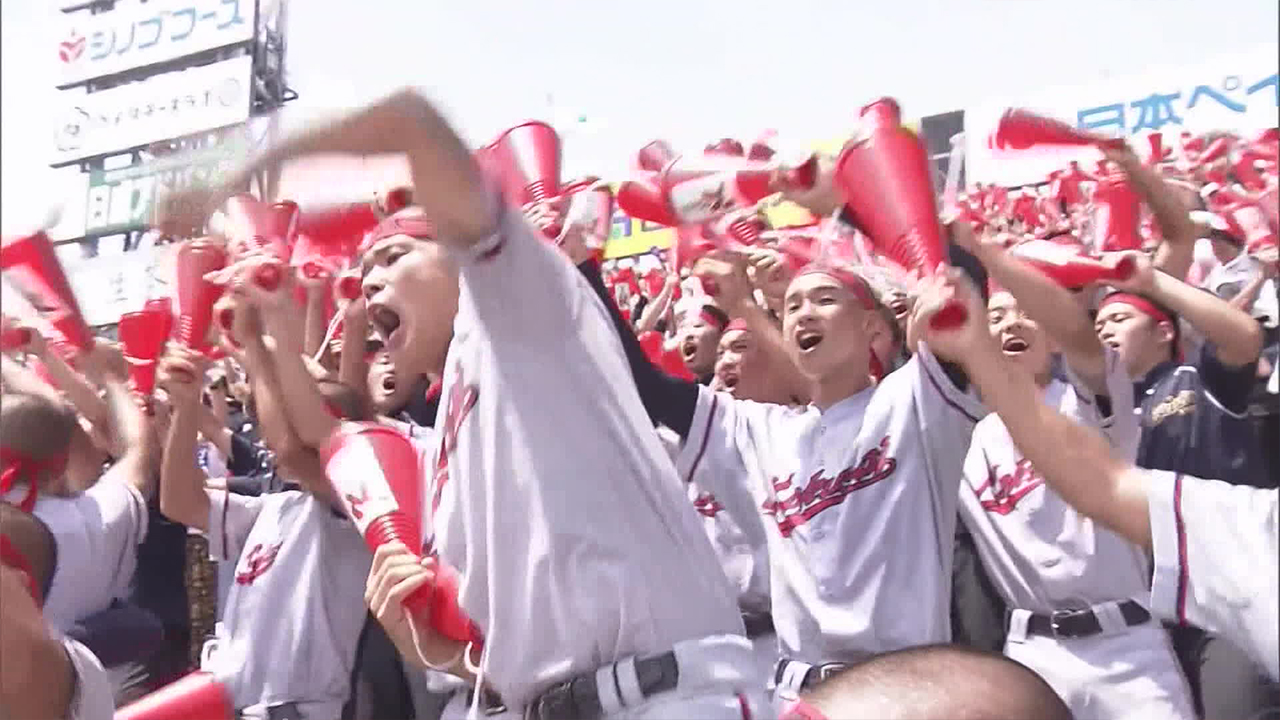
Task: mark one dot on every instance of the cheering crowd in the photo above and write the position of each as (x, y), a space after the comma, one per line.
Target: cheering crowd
(1011, 454)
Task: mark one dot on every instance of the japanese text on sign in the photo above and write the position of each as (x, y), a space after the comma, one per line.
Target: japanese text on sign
(138, 34)
(158, 108)
(1231, 95)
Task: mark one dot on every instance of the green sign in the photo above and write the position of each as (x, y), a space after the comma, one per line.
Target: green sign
(122, 200)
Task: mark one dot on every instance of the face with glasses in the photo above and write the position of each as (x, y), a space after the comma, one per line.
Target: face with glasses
(1021, 338)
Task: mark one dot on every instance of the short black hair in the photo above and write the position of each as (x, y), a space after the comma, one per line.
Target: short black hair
(938, 681)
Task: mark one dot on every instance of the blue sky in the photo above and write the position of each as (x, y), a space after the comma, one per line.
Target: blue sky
(688, 70)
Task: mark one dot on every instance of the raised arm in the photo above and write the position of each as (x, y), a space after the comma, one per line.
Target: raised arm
(1044, 301)
(1177, 250)
(76, 387)
(182, 484)
(447, 184)
(658, 307)
(292, 387)
(1075, 460)
(1235, 335)
(353, 368)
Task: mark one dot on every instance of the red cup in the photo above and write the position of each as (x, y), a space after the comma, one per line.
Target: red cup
(142, 335)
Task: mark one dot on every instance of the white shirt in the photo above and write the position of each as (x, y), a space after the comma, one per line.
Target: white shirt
(736, 531)
(559, 507)
(93, 697)
(296, 605)
(1215, 548)
(1041, 554)
(859, 506)
(98, 533)
(1227, 279)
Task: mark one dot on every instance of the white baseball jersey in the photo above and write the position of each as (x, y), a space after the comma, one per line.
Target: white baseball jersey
(736, 531)
(98, 533)
(1038, 551)
(296, 605)
(1215, 547)
(557, 503)
(859, 506)
(93, 697)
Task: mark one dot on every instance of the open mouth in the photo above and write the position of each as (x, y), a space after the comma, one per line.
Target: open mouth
(1114, 345)
(808, 339)
(385, 322)
(389, 383)
(729, 380)
(1014, 345)
(688, 349)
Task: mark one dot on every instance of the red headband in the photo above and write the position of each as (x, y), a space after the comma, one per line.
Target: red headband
(1140, 304)
(714, 317)
(18, 463)
(13, 557)
(737, 324)
(415, 226)
(851, 281)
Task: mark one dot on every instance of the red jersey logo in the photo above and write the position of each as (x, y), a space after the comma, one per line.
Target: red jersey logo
(462, 397)
(792, 507)
(259, 560)
(707, 504)
(1008, 489)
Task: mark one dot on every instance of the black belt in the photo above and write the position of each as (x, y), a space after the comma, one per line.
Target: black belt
(815, 675)
(1080, 623)
(757, 624)
(579, 698)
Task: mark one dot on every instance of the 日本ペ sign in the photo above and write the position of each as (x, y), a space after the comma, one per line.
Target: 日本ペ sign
(134, 35)
(1238, 92)
(159, 108)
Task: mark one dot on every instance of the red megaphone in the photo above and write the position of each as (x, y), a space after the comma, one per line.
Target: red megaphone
(162, 307)
(725, 146)
(197, 696)
(375, 472)
(196, 295)
(30, 263)
(1116, 214)
(1069, 268)
(698, 189)
(642, 199)
(314, 261)
(12, 337)
(1258, 232)
(338, 229)
(256, 229)
(1020, 129)
(526, 162)
(884, 179)
(142, 334)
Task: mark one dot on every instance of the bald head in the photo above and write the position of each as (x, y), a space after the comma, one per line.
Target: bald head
(938, 681)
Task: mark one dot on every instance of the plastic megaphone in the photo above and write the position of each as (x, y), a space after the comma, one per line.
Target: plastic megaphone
(256, 230)
(195, 295)
(32, 266)
(142, 334)
(375, 472)
(883, 176)
(1116, 213)
(197, 696)
(654, 156)
(1070, 269)
(1020, 129)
